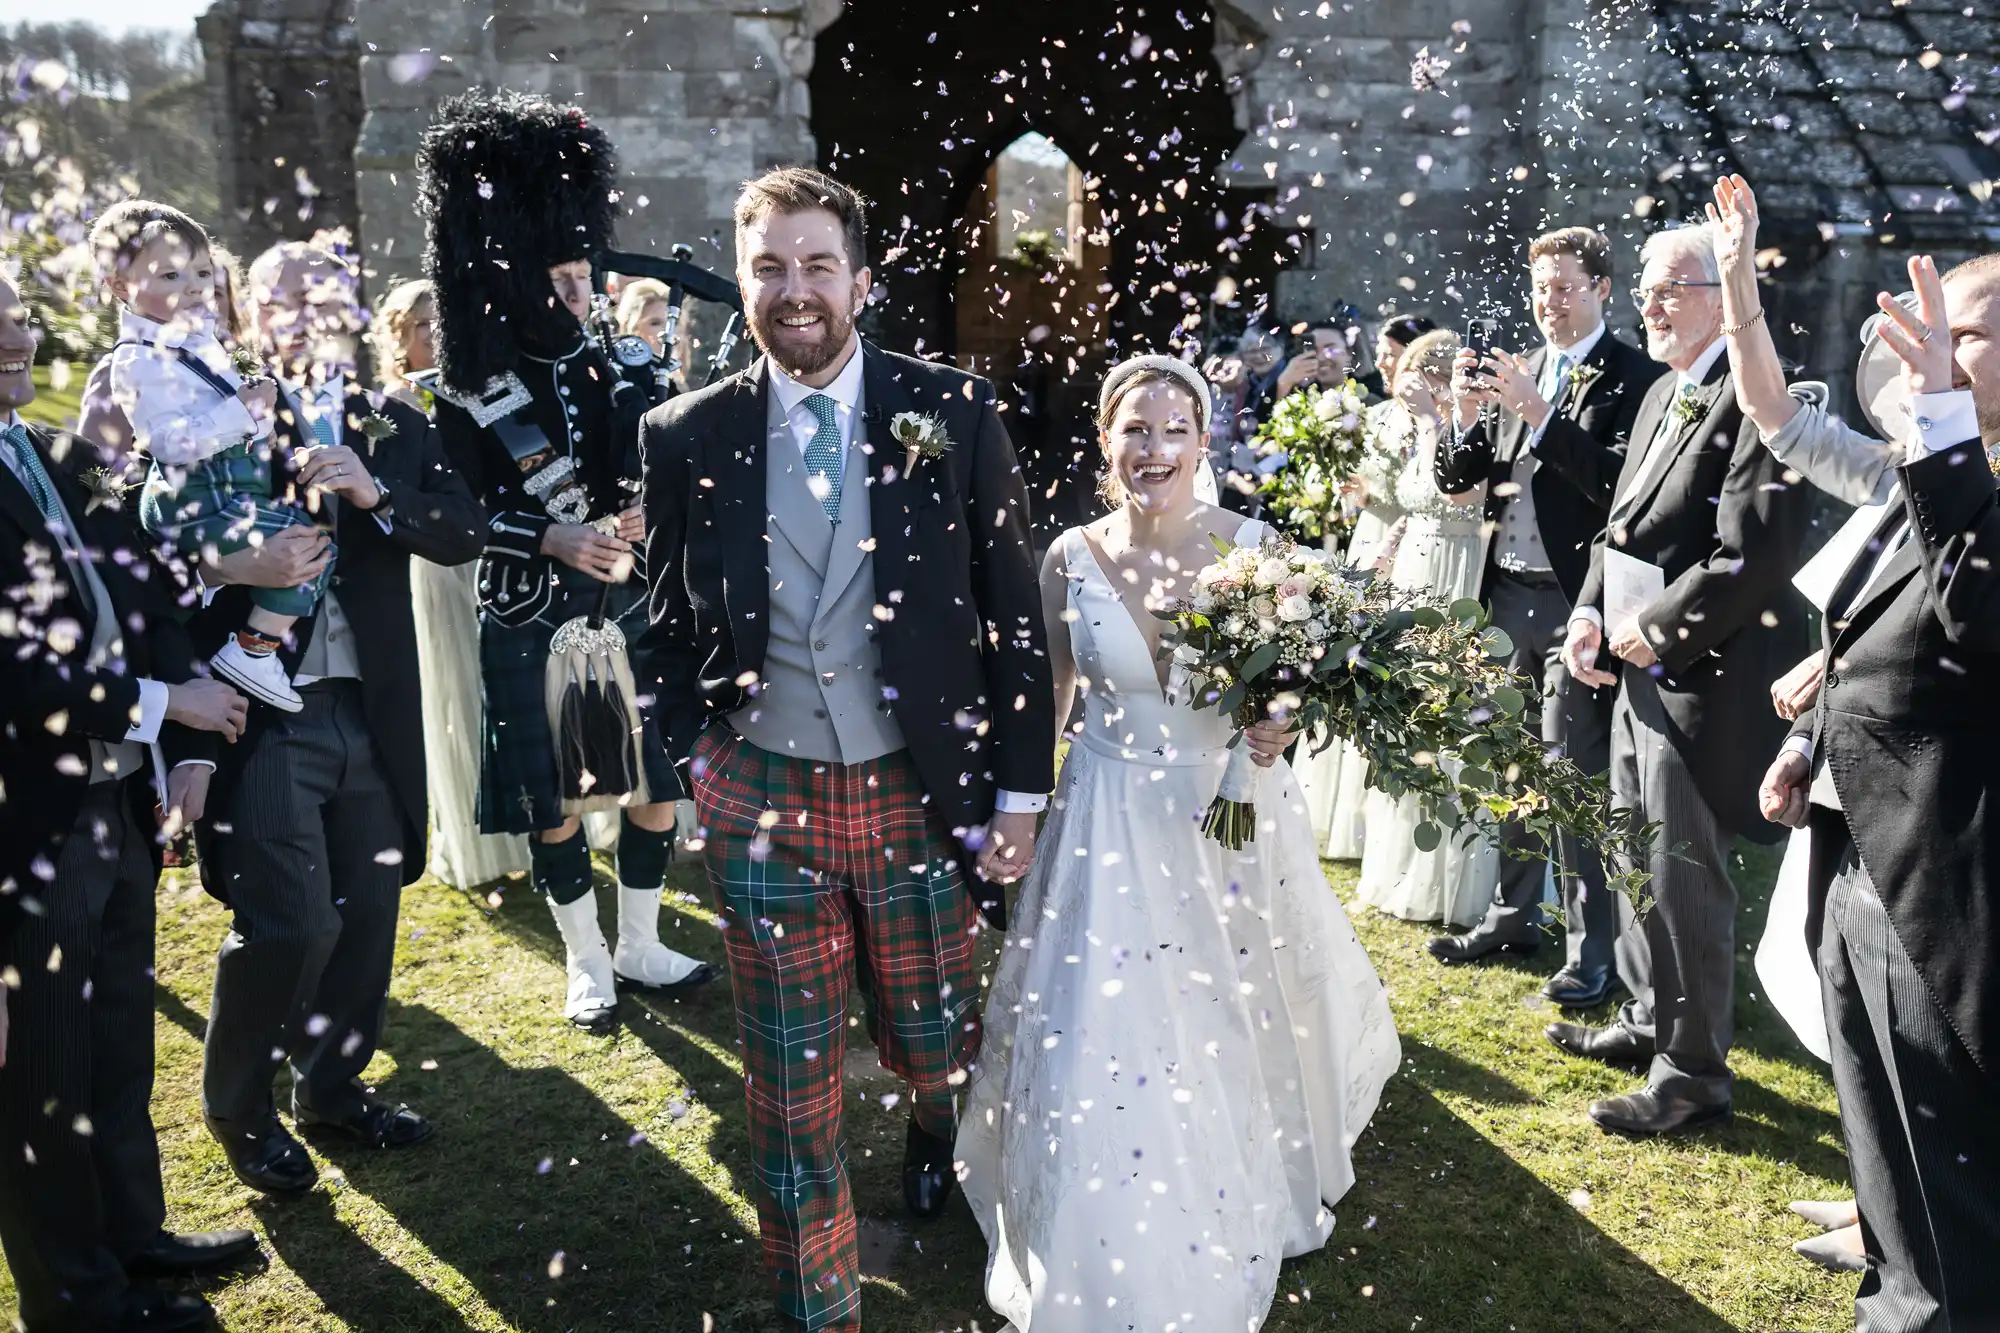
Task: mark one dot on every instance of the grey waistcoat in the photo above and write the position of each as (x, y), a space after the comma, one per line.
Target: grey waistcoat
(821, 695)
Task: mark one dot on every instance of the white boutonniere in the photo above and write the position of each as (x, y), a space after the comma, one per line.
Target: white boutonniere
(1583, 376)
(921, 434)
(105, 487)
(377, 428)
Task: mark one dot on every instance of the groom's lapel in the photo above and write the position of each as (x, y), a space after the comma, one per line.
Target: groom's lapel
(890, 496)
(736, 465)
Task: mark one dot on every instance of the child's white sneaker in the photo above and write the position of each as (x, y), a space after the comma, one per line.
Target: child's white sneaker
(262, 677)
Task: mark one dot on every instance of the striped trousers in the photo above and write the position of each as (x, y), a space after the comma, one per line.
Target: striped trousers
(1922, 1122)
(80, 1188)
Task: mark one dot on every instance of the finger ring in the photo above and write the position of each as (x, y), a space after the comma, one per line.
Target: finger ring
(1924, 332)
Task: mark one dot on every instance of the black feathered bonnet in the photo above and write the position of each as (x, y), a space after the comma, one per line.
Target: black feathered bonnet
(508, 185)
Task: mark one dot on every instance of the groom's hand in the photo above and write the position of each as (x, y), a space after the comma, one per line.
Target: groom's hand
(1010, 847)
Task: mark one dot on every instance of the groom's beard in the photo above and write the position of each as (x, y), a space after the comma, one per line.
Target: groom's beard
(783, 345)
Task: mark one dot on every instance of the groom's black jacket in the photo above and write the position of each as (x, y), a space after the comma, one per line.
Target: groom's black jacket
(961, 632)
(1908, 726)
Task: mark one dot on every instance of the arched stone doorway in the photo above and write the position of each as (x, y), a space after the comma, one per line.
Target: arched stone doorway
(914, 100)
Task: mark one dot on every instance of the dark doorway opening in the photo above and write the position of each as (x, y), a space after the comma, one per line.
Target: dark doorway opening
(951, 116)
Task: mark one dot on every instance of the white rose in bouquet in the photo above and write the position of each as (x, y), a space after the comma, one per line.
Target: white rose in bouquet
(1264, 608)
(1271, 572)
(1296, 608)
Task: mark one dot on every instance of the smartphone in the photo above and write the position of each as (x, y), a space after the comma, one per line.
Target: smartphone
(1480, 335)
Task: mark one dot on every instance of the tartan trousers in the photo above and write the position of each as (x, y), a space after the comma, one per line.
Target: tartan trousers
(225, 501)
(825, 872)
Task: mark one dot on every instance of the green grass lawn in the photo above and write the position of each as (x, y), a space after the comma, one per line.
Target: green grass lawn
(583, 1182)
(55, 408)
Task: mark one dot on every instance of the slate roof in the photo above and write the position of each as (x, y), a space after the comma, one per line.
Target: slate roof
(1833, 112)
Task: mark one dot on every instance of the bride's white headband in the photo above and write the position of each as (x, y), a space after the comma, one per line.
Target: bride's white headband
(1186, 375)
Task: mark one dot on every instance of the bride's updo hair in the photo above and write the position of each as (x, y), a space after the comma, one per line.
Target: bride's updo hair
(1430, 356)
(1137, 373)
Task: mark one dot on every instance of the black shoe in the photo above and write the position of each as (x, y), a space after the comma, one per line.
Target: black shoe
(267, 1158)
(1651, 1112)
(1581, 987)
(173, 1255)
(376, 1124)
(928, 1175)
(164, 1312)
(1474, 945)
(1613, 1045)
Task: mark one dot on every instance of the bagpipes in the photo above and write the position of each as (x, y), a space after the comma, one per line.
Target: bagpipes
(590, 690)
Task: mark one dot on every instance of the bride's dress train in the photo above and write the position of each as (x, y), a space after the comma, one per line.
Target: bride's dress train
(1183, 1042)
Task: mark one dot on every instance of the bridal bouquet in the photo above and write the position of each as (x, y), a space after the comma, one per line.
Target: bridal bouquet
(1321, 437)
(1278, 631)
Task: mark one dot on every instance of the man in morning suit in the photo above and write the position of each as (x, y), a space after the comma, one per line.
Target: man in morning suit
(319, 817)
(1894, 773)
(847, 640)
(1706, 515)
(97, 695)
(1550, 463)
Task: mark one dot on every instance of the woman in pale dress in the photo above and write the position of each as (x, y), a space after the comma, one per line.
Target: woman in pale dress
(447, 616)
(1182, 1042)
(1438, 553)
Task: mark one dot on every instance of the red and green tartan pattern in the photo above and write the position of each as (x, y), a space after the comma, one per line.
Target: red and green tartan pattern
(825, 874)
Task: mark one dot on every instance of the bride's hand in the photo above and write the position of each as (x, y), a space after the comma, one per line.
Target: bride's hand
(1269, 740)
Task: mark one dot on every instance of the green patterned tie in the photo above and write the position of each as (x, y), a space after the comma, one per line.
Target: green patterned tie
(823, 455)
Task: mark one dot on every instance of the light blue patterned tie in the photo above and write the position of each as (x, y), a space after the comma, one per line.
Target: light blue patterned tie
(28, 464)
(322, 421)
(1557, 368)
(823, 455)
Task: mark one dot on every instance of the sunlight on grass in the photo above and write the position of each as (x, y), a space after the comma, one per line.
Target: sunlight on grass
(584, 1182)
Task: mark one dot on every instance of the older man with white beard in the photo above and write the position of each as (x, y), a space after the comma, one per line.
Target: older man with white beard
(1688, 588)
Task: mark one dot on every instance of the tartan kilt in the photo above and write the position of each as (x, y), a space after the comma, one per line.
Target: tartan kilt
(520, 790)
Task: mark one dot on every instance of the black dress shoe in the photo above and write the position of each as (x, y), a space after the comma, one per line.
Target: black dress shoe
(376, 1124)
(173, 1255)
(164, 1312)
(1580, 987)
(1613, 1045)
(267, 1158)
(1474, 945)
(928, 1174)
(1651, 1112)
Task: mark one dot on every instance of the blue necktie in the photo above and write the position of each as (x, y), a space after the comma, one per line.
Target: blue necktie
(28, 464)
(1557, 368)
(823, 455)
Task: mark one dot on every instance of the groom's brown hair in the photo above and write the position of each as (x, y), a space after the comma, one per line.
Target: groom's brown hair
(802, 190)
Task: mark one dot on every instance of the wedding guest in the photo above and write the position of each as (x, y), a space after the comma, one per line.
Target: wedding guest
(1433, 552)
(403, 336)
(1892, 773)
(1546, 435)
(549, 442)
(642, 309)
(318, 818)
(1391, 340)
(98, 692)
(1689, 590)
(1328, 360)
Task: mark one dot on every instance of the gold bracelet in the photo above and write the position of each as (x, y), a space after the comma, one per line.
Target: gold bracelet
(1731, 330)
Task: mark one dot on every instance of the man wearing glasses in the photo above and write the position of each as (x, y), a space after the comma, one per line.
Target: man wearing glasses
(1689, 591)
(1545, 434)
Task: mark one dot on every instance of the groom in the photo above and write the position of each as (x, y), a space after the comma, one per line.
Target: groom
(847, 643)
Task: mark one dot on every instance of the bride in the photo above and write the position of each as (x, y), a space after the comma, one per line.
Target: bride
(1183, 1042)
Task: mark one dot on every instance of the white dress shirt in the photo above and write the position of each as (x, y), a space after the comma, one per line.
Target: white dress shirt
(151, 710)
(177, 417)
(789, 396)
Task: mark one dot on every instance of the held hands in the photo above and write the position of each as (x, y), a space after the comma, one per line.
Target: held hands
(1922, 340)
(1579, 654)
(1783, 797)
(1301, 369)
(207, 705)
(1470, 390)
(1010, 847)
(1514, 388)
(588, 551)
(339, 469)
(1628, 644)
(1793, 693)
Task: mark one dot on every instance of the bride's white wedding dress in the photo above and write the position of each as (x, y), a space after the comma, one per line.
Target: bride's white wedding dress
(1182, 1042)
